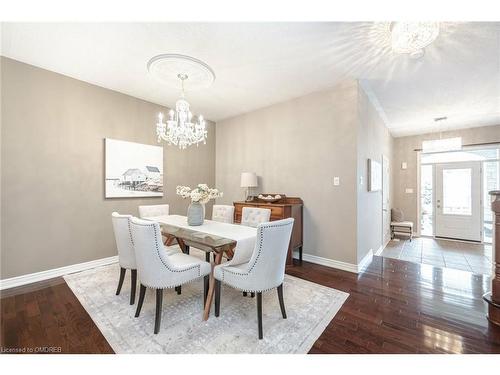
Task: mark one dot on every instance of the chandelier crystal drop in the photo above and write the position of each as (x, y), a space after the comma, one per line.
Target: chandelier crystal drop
(180, 130)
(412, 37)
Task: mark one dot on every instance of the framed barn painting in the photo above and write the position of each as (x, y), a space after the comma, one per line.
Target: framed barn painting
(133, 169)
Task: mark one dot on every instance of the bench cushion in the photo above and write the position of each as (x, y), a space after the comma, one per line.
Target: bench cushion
(406, 224)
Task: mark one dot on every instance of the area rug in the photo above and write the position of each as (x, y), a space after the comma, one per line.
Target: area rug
(310, 308)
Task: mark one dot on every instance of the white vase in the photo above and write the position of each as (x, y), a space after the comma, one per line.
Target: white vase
(195, 214)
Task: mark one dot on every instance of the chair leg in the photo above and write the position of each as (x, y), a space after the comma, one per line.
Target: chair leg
(282, 302)
(207, 256)
(142, 293)
(178, 289)
(206, 285)
(217, 297)
(120, 282)
(259, 314)
(133, 280)
(300, 254)
(159, 302)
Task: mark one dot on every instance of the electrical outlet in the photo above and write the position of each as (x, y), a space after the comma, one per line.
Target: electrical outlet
(409, 191)
(336, 181)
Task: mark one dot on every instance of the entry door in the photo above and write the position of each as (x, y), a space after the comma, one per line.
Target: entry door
(458, 201)
(386, 208)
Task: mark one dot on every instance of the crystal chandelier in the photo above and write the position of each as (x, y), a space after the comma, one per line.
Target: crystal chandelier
(180, 129)
(412, 37)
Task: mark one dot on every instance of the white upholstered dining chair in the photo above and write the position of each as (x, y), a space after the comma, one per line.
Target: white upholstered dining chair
(126, 255)
(223, 213)
(153, 210)
(159, 271)
(264, 271)
(253, 216)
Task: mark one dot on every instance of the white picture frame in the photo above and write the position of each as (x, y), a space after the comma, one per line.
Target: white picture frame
(374, 175)
(132, 170)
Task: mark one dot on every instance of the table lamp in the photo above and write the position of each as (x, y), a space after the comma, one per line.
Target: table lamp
(248, 180)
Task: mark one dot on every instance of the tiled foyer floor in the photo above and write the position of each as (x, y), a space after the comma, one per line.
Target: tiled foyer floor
(470, 257)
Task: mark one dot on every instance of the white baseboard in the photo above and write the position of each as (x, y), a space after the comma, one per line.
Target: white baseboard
(344, 266)
(349, 267)
(56, 272)
(367, 259)
(380, 249)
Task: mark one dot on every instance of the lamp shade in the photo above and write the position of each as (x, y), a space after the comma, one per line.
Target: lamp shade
(248, 179)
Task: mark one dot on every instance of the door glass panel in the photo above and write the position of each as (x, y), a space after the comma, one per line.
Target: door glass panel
(426, 201)
(457, 191)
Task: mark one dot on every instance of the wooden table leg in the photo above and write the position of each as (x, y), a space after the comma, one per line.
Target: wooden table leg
(211, 289)
(183, 246)
(170, 240)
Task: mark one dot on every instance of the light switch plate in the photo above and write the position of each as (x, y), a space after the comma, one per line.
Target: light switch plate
(336, 181)
(409, 191)
(404, 165)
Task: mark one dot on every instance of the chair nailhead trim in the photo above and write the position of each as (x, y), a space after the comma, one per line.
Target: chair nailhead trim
(158, 252)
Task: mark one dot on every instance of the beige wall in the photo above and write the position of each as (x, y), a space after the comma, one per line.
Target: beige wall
(374, 140)
(296, 148)
(52, 178)
(404, 152)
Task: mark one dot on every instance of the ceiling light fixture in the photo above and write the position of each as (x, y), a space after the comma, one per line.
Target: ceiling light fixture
(181, 129)
(412, 37)
(442, 145)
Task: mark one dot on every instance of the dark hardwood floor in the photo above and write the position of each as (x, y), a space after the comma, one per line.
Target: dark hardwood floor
(394, 307)
(47, 317)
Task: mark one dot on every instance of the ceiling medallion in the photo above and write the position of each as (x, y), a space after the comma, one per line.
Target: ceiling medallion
(412, 37)
(190, 74)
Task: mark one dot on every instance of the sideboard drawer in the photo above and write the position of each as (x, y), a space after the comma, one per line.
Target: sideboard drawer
(276, 212)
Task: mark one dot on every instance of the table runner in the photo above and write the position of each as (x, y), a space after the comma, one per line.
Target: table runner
(243, 235)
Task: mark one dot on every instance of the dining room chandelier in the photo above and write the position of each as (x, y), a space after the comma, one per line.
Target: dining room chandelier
(412, 37)
(180, 129)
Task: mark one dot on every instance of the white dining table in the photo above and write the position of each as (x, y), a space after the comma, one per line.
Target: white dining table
(243, 235)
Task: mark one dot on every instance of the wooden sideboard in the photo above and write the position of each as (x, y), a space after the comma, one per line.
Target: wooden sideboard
(284, 208)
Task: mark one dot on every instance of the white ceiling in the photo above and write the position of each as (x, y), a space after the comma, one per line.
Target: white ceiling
(258, 64)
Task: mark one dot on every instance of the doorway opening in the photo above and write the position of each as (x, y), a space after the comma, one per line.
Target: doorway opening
(454, 199)
(456, 222)
(455, 228)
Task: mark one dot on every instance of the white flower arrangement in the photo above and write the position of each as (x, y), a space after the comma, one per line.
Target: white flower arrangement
(202, 193)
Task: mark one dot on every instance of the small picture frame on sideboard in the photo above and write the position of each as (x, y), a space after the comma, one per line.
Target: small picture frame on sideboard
(374, 175)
